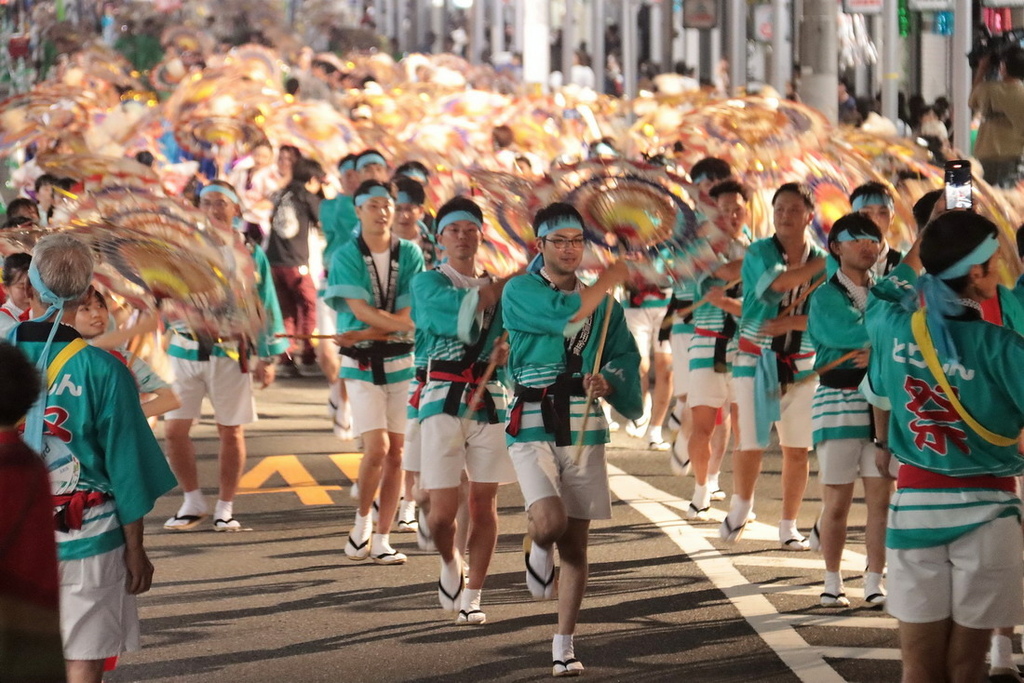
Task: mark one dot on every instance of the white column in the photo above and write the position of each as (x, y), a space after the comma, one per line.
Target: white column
(629, 52)
(737, 35)
(536, 44)
(818, 57)
(890, 59)
(597, 52)
(568, 38)
(782, 48)
(497, 27)
(960, 87)
(657, 33)
(520, 37)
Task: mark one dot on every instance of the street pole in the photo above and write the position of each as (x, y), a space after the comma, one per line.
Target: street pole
(568, 39)
(781, 49)
(668, 61)
(628, 28)
(891, 60)
(963, 29)
(598, 59)
(476, 42)
(497, 28)
(818, 57)
(737, 18)
(536, 45)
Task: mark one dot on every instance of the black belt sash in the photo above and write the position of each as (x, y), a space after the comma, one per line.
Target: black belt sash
(465, 378)
(555, 406)
(372, 357)
(843, 378)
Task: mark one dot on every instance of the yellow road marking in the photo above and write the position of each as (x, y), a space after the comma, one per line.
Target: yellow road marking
(298, 479)
(348, 463)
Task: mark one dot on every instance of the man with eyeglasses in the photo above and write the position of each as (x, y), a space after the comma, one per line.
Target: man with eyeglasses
(555, 326)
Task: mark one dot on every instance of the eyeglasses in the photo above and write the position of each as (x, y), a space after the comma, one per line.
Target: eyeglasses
(560, 244)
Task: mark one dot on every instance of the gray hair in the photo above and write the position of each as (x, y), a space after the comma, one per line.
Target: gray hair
(65, 265)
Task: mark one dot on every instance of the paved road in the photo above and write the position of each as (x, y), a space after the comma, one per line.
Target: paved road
(667, 600)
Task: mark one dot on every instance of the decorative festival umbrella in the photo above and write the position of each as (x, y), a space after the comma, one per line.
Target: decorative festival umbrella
(96, 171)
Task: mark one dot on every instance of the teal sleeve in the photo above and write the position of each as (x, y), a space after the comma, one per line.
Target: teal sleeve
(895, 286)
(759, 273)
(1012, 303)
(620, 363)
(267, 343)
(436, 304)
(347, 279)
(338, 221)
(135, 465)
(833, 322)
(531, 306)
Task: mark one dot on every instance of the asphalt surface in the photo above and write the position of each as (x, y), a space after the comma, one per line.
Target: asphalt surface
(666, 599)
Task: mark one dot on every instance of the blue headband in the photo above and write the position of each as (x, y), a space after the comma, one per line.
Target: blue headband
(700, 177)
(375, 191)
(347, 165)
(847, 236)
(227, 192)
(871, 200)
(561, 223)
(369, 158)
(404, 198)
(980, 254)
(459, 215)
(415, 174)
(941, 302)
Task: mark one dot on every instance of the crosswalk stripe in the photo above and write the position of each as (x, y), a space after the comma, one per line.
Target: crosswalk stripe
(840, 619)
(805, 661)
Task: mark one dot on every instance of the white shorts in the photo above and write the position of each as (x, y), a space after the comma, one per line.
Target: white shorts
(710, 388)
(843, 461)
(975, 580)
(98, 618)
(545, 470)
(451, 445)
(411, 453)
(220, 379)
(795, 426)
(645, 326)
(681, 363)
(376, 406)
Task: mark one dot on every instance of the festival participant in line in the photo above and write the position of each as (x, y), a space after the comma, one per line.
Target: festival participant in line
(371, 165)
(841, 416)
(409, 217)
(774, 356)
(705, 174)
(19, 291)
(874, 200)
(555, 326)
(369, 285)
(953, 546)
(457, 307)
(220, 370)
(106, 469)
(645, 308)
(91, 320)
(713, 348)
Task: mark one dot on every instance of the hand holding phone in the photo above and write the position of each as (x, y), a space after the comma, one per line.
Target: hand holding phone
(959, 190)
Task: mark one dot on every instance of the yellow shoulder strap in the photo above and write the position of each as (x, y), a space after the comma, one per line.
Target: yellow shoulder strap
(57, 364)
(923, 338)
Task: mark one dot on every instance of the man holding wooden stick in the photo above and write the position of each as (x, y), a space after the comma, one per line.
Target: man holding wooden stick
(457, 312)
(557, 331)
(779, 273)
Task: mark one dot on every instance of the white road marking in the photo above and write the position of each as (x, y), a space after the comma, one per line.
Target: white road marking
(806, 661)
(841, 619)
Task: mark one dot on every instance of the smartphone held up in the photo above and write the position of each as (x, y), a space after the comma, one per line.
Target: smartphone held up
(958, 184)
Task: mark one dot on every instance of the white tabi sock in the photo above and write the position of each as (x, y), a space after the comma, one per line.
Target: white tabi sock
(361, 528)
(713, 482)
(873, 584)
(1001, 653)
(223, 510)
(701, 497)
(654, 434)
(833, 583)
(739, 511)
(194, 504)
(788, 530)
(562, 648)
(471, 599)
